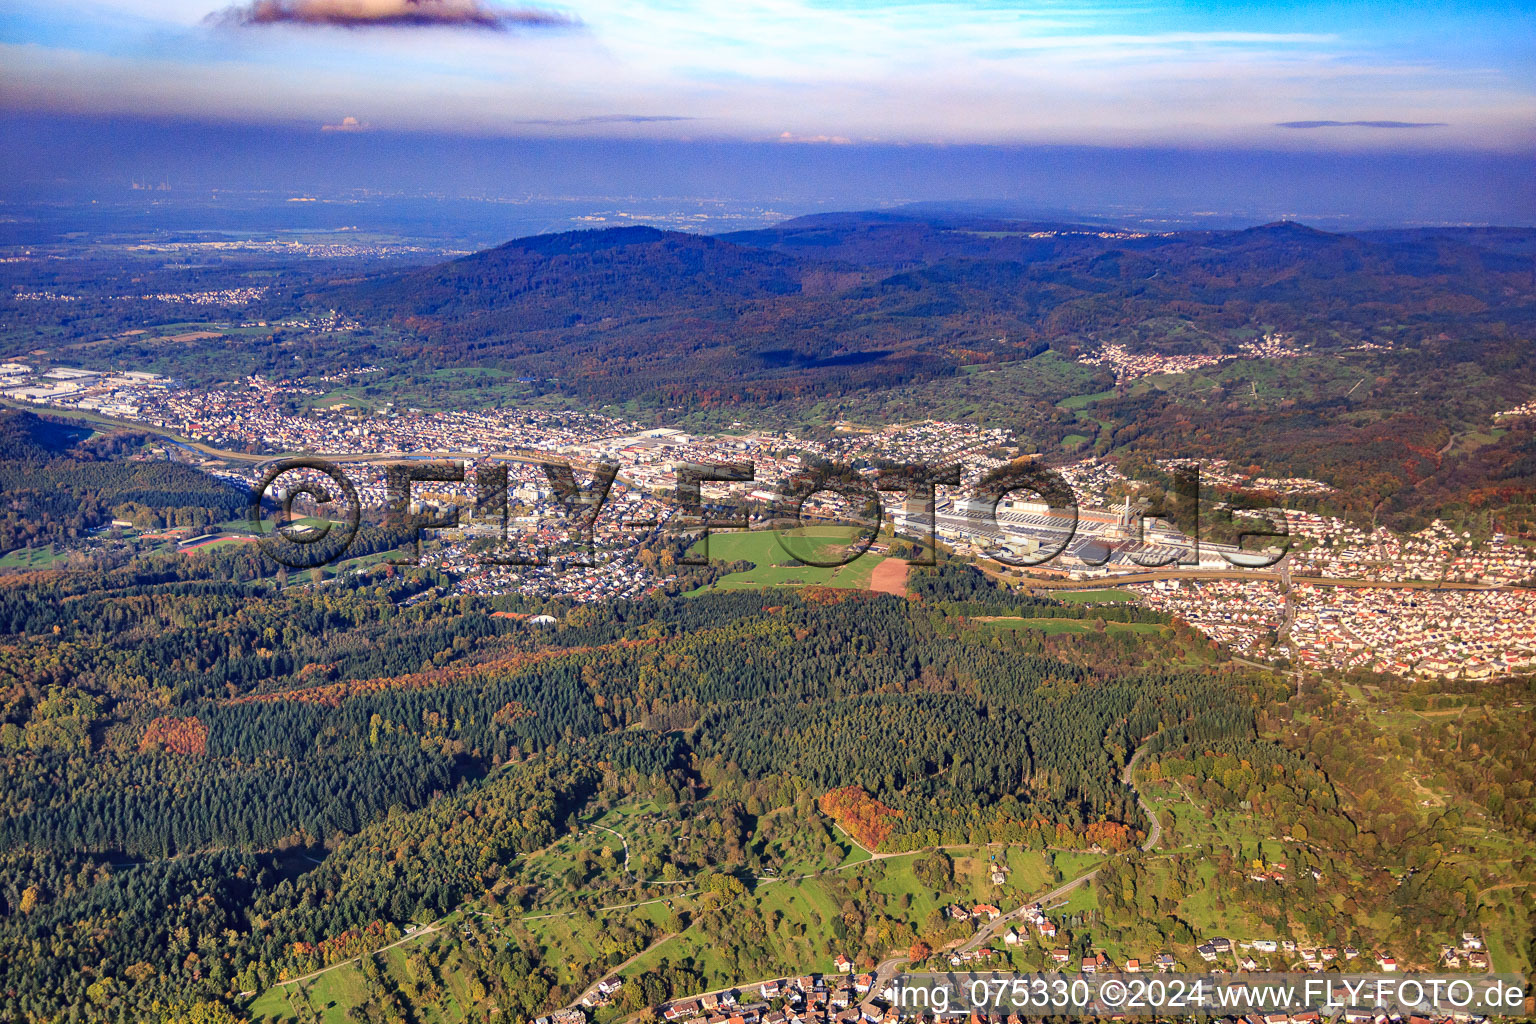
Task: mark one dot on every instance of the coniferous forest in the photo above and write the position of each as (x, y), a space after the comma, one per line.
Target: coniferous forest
(215, 782)
(181, 753)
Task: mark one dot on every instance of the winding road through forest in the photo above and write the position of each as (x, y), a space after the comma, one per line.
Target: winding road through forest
(886, 972)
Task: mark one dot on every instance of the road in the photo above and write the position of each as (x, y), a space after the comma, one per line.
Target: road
(526, 455)
(885, 973)
(1155, 836)
(591, 992)
(616, 906)
(1288, 599)
(992, 928)
(1250, 575)
(1295, 673)
(886, 970)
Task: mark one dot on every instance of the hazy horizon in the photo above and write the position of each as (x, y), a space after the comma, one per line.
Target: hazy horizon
(514, 186)
(1223, 113)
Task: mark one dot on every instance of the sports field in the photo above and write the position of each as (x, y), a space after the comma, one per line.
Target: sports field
(775, 554)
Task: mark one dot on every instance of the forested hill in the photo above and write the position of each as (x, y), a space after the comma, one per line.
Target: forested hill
(590, 304)
(166, 737)
(560, 280)
(843, 303)
(58, 484)
(25, 435)
(215, 782)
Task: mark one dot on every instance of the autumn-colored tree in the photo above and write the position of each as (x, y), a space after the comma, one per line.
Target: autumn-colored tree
(863, 817)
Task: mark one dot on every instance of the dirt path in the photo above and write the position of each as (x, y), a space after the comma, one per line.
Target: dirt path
(591, 991)
(610, 831)
(616, 906)
(1156, 835)
(431, 929)
(889, 577)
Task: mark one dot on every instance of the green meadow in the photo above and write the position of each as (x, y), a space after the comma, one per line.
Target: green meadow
(775, 556)
(1093, 596)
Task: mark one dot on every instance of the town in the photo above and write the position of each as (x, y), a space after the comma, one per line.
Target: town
(1434, 603)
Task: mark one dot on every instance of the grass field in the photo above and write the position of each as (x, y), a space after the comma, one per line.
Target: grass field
(216, 542)
(329, 996)
(783, 840)
(1084, 898)
(368, 561)
(1077, 402)
(31, 558)
(1027, 870)
(1208, 914)
(1071, 863)
(235, 532)
(1093, 596)
(441, 389)
(800, 912)
(1507, 927)
(775, 566)
(1027, 874)
(572, 943)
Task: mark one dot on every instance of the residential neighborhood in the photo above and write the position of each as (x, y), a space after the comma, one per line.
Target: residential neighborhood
(1390, 610)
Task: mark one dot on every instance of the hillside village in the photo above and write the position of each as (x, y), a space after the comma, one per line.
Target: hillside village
(849, 995)
(852, 993)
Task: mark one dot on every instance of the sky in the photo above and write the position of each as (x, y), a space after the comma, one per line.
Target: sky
(1258, 75)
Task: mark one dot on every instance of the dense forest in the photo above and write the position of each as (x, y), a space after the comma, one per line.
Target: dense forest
(56, 485)
(234, 783)
(200, 743)
(215, 783)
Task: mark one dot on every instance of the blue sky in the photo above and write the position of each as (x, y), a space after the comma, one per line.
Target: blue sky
(831, 72)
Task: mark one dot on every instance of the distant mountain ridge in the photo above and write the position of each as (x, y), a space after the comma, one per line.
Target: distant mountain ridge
(838, 302)
(588, 275)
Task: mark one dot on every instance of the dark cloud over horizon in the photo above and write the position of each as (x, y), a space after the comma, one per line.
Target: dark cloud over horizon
(476, 14)
(1360, 124)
